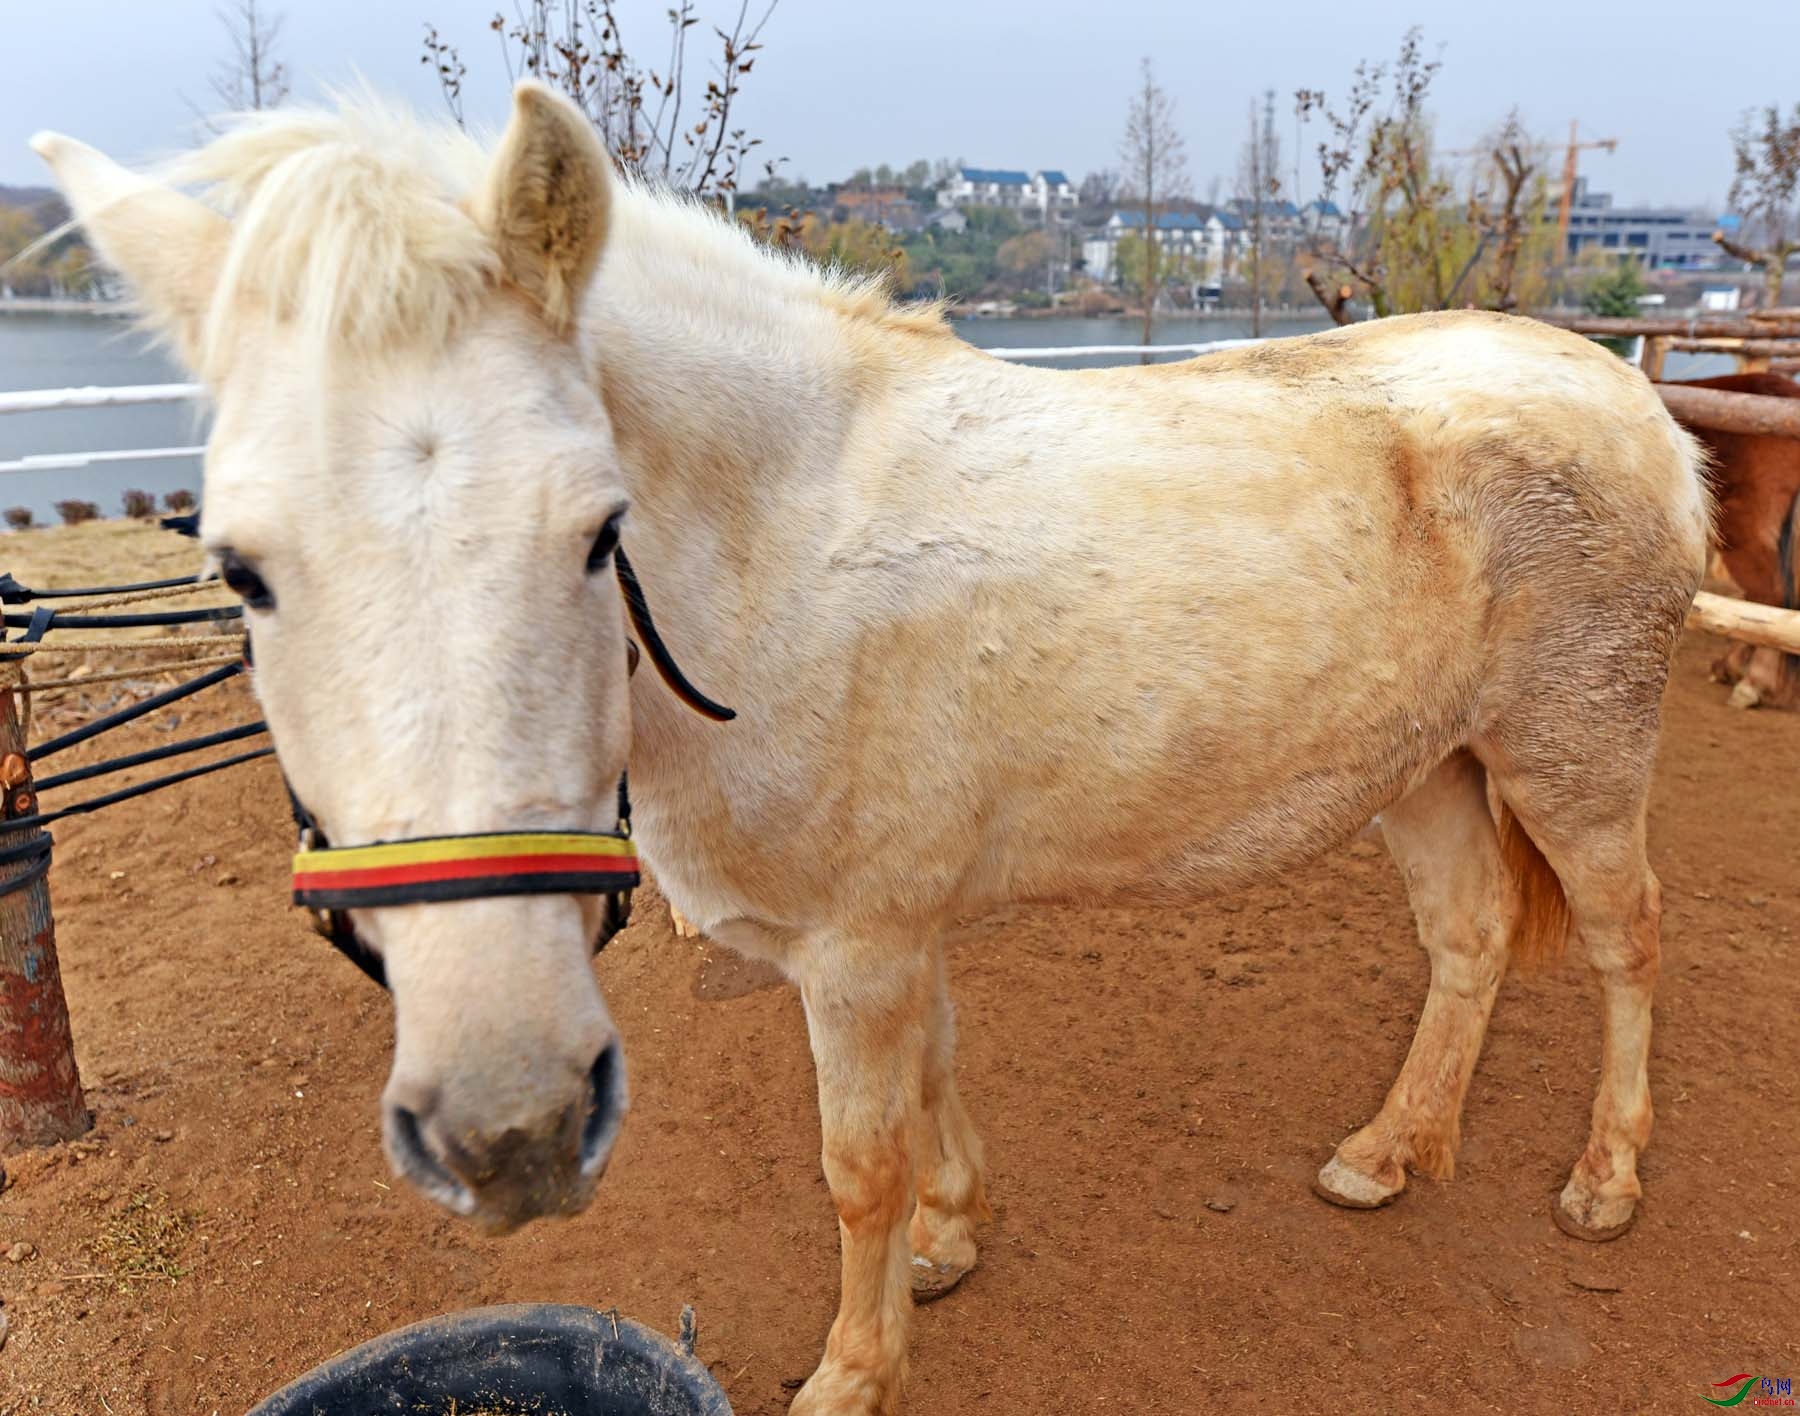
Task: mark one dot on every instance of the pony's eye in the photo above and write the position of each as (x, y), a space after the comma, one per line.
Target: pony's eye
(244, 582)
(605, 543)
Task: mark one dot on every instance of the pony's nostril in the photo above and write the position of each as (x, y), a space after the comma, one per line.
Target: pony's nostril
(413, 1155)
(606, 1108)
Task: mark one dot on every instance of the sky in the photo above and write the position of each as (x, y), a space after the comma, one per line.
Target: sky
(999, 83)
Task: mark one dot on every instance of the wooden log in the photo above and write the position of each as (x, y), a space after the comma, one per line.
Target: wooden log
(40, 1090)
(1785, 366)
(1723, 412)
(1654, 353)
(1745, 348)
(1693, 327)
(1746, 620)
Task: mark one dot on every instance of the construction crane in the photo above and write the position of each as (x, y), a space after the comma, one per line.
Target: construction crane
(1570, 160)
(1571, 167)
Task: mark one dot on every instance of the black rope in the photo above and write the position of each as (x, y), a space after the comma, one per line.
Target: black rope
(154, 754)
(82, 808)
(132, 621)
(135, 710)
(13, 593)
(639, 609)
(36, 851)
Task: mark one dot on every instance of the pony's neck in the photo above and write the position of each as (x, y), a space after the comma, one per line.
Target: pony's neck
(732, 379)
(724, 368)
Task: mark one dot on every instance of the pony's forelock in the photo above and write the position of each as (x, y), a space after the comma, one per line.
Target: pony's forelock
(347, 225)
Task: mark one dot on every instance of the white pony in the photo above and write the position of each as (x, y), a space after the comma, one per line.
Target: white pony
(992, 633)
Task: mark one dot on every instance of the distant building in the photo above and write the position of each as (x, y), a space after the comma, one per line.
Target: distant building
(1209, 238)
(1043, 194)
(1660, 238)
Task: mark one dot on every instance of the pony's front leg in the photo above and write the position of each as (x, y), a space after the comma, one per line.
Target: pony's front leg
(952, 1194)
(868, 1007)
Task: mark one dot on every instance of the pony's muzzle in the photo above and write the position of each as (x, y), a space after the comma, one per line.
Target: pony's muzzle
(506, 1177)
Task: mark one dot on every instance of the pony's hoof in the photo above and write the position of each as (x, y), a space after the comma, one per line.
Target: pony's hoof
(933, 1280)
(1583, 1216)
(1338, 1184)
(1744, 695)
(684, 927)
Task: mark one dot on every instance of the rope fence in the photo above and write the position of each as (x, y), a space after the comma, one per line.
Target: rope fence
(23, 811)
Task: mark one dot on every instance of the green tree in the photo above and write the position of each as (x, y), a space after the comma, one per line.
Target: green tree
(1615, 291)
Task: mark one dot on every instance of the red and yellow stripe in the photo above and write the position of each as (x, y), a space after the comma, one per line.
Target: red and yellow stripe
(436, 868)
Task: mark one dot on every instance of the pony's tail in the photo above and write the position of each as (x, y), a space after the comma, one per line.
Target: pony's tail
(1542, 927)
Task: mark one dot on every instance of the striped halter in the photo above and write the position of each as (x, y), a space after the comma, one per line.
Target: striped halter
(333, 880)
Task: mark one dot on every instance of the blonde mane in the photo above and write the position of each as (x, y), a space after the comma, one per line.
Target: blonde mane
(354, 226)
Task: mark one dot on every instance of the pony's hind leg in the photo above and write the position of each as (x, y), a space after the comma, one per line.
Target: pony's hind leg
(1442, 837)
(952, 1199)
(1594, 839)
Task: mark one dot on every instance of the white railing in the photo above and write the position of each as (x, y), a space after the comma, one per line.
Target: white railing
(59, 461)
(49, 400)
(1082, 351)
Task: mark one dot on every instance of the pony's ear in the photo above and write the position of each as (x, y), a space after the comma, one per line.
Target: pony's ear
(167, 245)
(547, 200)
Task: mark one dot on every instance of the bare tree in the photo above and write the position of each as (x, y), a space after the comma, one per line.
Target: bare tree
(1393, 242)
(1155, 158)
(1099, 188)
(1259, 185)
(1506, 205)
(1763, 190)
(253, 78)
(652, 119)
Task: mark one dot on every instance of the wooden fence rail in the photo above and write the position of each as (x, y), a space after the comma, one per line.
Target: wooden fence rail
(1732, 412)
(1769, 626)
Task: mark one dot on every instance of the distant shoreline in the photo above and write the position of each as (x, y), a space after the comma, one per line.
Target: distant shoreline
(47, 305)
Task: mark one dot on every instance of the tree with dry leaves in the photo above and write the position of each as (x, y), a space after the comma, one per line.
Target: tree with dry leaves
(1764, 187)
(657, 121)
(1407, 241)
(1155, 158)
(1377, 153)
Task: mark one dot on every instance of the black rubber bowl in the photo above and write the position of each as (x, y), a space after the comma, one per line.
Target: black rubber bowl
(527, 1357)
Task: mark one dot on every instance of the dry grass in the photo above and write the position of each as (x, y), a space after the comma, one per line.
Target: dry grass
(114, 552)
(143, 1241)
(99, 553)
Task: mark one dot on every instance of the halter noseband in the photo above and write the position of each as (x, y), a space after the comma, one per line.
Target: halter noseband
(331, 881)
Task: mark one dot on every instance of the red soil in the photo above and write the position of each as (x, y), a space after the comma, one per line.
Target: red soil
(1156, 1089)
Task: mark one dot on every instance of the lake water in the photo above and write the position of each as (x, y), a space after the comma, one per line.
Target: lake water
(59, 351)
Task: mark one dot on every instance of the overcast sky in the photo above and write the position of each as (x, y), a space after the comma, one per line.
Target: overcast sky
(1000, 83)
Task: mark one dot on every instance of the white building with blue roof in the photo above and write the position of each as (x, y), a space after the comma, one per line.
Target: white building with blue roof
(1042, 194)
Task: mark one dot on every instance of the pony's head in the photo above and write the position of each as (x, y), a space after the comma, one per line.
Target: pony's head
(413, 485)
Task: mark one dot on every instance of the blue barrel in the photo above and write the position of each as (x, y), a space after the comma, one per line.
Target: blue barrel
(539, 1357)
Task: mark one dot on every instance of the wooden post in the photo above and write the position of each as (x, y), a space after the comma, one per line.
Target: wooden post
(40, 1090)
(1656, 350)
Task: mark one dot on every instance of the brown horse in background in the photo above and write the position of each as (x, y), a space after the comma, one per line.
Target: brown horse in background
(1756, 486)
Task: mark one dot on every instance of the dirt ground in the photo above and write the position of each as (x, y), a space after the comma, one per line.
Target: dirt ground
(1155, 1088)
